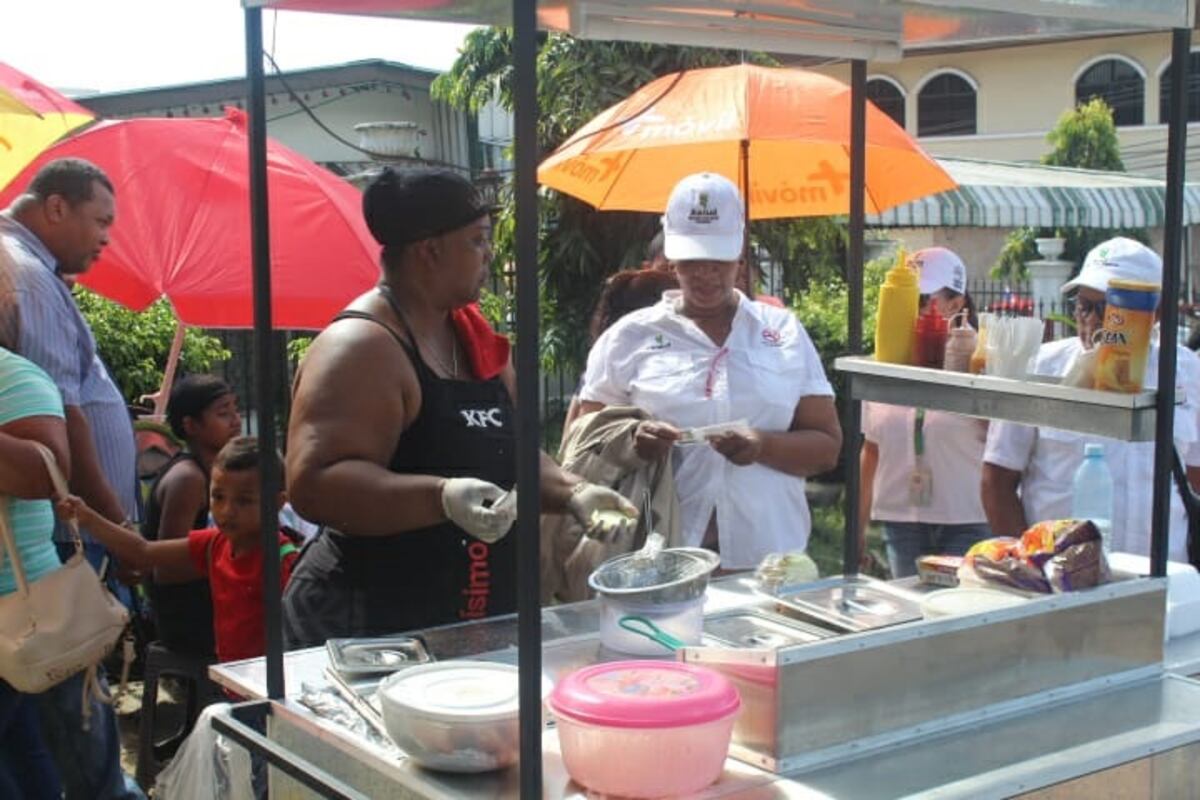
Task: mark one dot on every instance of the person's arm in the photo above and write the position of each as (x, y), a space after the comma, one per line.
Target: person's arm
(128, 546)
(182, 494)
(22, 472)
(1001, 504)
(810, 446)
(868, 461)
(87, 477)
(353, 397)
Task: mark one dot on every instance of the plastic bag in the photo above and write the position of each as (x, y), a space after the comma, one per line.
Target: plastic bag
(207, 766)
(1056, 556)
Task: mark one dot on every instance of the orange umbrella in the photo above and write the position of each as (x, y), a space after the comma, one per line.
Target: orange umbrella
(32, 117)
(790, 126)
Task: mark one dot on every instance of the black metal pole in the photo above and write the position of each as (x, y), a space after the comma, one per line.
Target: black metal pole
(529, 611)
(747, 253)
(854, 283)
(1164, 424)
(264, 373)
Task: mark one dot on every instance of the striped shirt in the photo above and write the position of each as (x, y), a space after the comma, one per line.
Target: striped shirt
(27, 391)
(40, 320)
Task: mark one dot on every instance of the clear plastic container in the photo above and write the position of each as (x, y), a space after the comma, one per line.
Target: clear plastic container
(683, 621)
(1092, 492)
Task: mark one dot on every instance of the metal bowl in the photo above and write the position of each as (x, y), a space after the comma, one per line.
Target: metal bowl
(679, 574)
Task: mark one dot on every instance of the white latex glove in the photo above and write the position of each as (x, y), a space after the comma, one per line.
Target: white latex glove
(463, 501)
(603, 513)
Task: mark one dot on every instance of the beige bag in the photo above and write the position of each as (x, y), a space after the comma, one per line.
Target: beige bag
(60, 624)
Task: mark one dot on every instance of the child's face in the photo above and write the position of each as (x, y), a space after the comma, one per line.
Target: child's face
(233, 502)
(217, 424)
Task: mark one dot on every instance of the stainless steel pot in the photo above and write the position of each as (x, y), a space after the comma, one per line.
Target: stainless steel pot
(678, 574)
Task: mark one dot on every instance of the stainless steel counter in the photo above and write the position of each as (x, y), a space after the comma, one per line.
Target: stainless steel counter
(1017, 748)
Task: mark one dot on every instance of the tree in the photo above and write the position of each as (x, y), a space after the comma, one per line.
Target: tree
(135, 345)
(1084, 137)
(579, 246)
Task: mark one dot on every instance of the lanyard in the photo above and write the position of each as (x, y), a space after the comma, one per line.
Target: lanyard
(710, 380)
(919, 433)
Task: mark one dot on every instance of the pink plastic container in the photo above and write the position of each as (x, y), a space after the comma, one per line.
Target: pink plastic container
(645, 729)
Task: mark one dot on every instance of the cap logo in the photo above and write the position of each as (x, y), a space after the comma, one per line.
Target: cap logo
(702, 213)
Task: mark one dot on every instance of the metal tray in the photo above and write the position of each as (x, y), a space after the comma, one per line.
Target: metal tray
(755, 629)
(357, 658)
(850, 603)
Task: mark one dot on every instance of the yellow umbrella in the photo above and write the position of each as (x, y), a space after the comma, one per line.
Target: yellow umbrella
(32, 117)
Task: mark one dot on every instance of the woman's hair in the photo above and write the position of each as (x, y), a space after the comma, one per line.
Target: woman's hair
(190, 396)
(628, 291)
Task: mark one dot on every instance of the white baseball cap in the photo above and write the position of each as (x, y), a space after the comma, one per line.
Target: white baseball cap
(940, 269)
(705, 220)
(1117, 259)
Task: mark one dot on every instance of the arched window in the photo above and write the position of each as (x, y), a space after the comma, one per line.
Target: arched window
(1164, 89)
(1118, 83)
(946, 106)
(887, 96)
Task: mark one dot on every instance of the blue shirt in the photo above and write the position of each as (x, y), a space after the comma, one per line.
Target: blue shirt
(40, 320)
(27, 391)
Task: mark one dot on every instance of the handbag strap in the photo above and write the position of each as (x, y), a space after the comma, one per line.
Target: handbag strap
(59, 485)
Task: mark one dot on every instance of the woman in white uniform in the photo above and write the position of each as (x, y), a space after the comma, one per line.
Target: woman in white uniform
(704, 355)
(920, 469)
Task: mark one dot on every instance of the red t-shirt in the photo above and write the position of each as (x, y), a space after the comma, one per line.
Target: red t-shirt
(237, 591)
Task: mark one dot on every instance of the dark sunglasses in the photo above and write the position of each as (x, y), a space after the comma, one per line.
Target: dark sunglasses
(1084, 307)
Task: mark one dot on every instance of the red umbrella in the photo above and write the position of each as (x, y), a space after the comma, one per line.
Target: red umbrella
(183, 223)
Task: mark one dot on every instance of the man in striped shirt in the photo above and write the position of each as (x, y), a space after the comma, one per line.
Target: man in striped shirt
(51, 233)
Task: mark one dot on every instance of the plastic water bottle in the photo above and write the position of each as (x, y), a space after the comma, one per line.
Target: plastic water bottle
(1093, 492)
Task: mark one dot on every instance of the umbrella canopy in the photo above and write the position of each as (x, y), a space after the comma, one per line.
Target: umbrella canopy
(32, 116)
(183, 223)
(791, 124)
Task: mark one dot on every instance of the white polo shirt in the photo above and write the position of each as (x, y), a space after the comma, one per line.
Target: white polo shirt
(953, 455)
(1048, 458)
(659, 360)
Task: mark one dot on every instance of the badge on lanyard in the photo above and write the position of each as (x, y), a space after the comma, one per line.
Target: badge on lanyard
(920, 480)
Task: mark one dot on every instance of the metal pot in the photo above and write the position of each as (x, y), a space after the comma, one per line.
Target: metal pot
(679, 574)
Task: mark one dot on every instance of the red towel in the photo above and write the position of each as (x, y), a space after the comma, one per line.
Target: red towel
(486, 350)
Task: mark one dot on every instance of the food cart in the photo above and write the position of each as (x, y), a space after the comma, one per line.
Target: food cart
(1062, 693)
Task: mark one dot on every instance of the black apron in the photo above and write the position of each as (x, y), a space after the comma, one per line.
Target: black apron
(183, 616)
(353, 586)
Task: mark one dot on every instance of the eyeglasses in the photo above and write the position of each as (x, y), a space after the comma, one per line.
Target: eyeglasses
(1084, 307)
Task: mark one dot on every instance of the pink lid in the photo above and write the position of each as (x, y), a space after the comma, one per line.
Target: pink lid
(645, 694)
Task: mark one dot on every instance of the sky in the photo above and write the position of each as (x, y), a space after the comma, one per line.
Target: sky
(128, 44)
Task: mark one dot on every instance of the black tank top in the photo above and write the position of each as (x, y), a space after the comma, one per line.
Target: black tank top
(182, 612)
(435, 575)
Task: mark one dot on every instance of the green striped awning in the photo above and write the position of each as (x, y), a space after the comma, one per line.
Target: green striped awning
(999, 194)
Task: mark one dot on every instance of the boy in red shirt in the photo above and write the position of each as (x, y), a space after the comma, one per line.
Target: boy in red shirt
(229, 555)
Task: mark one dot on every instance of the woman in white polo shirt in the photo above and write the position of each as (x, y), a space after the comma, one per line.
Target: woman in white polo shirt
(707, 354)
(920, 469)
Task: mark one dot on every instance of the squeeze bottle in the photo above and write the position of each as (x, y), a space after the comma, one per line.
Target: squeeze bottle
(1092, 497)
(898, 304)
(932, 332)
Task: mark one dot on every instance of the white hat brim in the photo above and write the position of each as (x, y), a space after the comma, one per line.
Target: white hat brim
(690, 247)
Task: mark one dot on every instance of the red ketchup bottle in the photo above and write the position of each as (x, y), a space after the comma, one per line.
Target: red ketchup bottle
(931, 333)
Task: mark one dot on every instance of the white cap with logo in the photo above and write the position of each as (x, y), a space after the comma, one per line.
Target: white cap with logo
(705, 220)
(1117, 259)
(939, 269)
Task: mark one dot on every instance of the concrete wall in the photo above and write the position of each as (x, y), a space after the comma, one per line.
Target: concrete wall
(1022, 91)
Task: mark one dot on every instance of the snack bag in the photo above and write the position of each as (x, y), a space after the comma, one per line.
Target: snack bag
(1001, 561)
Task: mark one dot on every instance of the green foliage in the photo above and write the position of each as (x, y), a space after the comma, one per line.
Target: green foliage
(824, 309)
(135, 345)
(1085, 138)
(825, 542)
(297, 348)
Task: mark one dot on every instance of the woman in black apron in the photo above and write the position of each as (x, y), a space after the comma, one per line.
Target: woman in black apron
(402, 435)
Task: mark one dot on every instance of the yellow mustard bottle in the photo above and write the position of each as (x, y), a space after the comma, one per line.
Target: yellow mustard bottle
(899, 299)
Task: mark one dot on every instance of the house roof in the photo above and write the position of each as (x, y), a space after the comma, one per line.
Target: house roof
(1001, 194)
(352, 73)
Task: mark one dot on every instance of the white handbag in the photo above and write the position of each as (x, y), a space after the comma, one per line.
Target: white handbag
(62, 623)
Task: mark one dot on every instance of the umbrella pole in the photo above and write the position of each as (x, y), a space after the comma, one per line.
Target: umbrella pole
(744, 159)
(164, 390)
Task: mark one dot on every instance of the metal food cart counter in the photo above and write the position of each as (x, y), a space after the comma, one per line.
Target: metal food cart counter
(1067, 690)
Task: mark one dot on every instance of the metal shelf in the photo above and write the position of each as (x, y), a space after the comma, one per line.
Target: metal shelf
(1129, 417)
